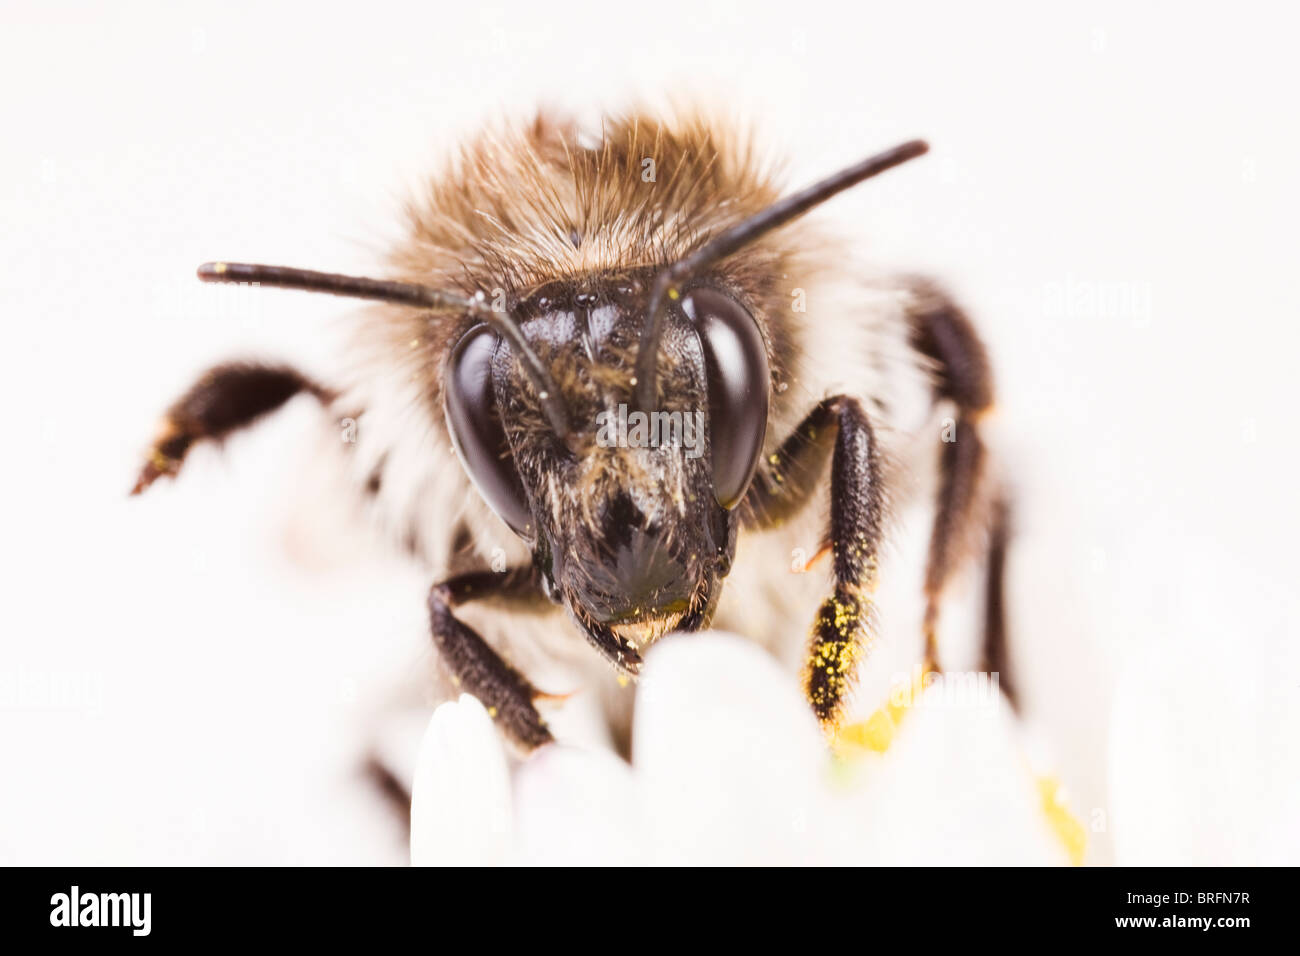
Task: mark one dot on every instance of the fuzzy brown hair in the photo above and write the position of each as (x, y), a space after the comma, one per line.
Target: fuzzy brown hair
(528, 205)
(518, 208)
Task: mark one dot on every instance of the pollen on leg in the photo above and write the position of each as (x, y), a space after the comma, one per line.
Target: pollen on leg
(837, 645)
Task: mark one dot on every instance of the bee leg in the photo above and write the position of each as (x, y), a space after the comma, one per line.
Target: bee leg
(394, 791)
(393, 785)
(842, 627)
(223, 400)
(475, 667)
(964, 377)
(995, 657)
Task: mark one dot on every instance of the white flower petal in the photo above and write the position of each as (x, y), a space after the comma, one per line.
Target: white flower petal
(460, 801)
(954, 788)
(576, 808)
(729, 760)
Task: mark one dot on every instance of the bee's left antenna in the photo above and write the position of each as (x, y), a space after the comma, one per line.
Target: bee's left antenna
(666, 285)
(404, 293)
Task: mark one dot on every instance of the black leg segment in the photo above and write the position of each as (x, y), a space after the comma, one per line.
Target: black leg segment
(474, 666)
(996, 656)
(842, 627)
(963, 376)
(223, 400)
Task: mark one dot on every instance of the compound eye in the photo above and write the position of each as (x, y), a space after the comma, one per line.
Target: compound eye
(477, 432)
(739, 385)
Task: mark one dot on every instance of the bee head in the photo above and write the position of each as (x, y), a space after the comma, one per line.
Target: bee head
(629, 509)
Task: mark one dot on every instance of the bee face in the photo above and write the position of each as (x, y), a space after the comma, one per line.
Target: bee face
(629, 515)
(611, 403)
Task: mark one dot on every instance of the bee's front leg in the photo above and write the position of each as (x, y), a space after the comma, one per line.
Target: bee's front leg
(222, 401)
(843, 623)
(475, 667)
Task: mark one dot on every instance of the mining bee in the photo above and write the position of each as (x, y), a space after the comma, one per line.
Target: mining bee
(545, 281)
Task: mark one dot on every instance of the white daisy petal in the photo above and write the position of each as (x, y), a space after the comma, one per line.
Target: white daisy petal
(729, 760)
(954, 788)
(460, 800)
(576, 808)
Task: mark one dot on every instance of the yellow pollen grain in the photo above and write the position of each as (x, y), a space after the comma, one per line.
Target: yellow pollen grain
(877, 732)
(1068, 829)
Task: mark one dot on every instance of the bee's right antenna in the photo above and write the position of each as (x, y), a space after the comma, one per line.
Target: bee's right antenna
(667, 283)
(404, 293)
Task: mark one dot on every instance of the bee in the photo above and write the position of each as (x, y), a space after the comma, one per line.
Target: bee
(550, 283)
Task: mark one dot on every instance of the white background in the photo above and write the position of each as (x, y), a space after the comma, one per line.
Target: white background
(224, 675)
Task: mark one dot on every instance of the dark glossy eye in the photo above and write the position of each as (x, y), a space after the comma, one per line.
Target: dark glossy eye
(739, 386)
(477, 433)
